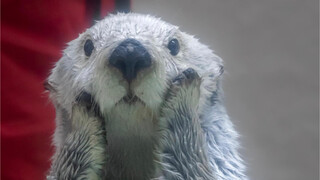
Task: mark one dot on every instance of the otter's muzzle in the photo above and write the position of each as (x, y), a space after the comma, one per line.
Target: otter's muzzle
(130, 57)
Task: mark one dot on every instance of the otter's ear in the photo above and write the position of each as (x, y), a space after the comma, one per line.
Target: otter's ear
(49, 86)
(220, 70)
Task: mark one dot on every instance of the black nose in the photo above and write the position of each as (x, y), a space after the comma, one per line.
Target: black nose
(130, 57)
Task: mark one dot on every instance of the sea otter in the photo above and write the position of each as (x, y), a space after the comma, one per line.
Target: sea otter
(138, 99)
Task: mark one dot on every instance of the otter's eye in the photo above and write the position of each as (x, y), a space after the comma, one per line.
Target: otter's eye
(174, 46)
(88, 47)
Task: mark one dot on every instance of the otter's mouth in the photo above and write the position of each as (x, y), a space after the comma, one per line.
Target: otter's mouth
(130, 98)
(87, 99)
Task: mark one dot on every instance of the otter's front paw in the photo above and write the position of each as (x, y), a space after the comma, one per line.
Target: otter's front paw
(185, 88)
(186, 77)
(86, 100)
(83, 152)
(85, 115)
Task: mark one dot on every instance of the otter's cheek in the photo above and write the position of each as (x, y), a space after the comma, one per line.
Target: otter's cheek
(152, 87)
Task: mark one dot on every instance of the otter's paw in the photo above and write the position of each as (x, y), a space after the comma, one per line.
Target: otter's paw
(85, 99)
(185, 88)
(85, 119)
(186, 78)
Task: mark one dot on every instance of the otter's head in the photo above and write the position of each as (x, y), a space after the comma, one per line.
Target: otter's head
(129, 58)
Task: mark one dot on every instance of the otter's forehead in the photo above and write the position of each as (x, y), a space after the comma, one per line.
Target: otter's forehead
(122, 26)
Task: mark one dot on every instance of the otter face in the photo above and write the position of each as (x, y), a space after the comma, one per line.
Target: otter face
(129, 59)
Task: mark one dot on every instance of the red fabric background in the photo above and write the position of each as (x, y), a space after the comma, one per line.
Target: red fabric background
(33, 35)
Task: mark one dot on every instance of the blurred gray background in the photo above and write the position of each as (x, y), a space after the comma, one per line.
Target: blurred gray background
(270, 48)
